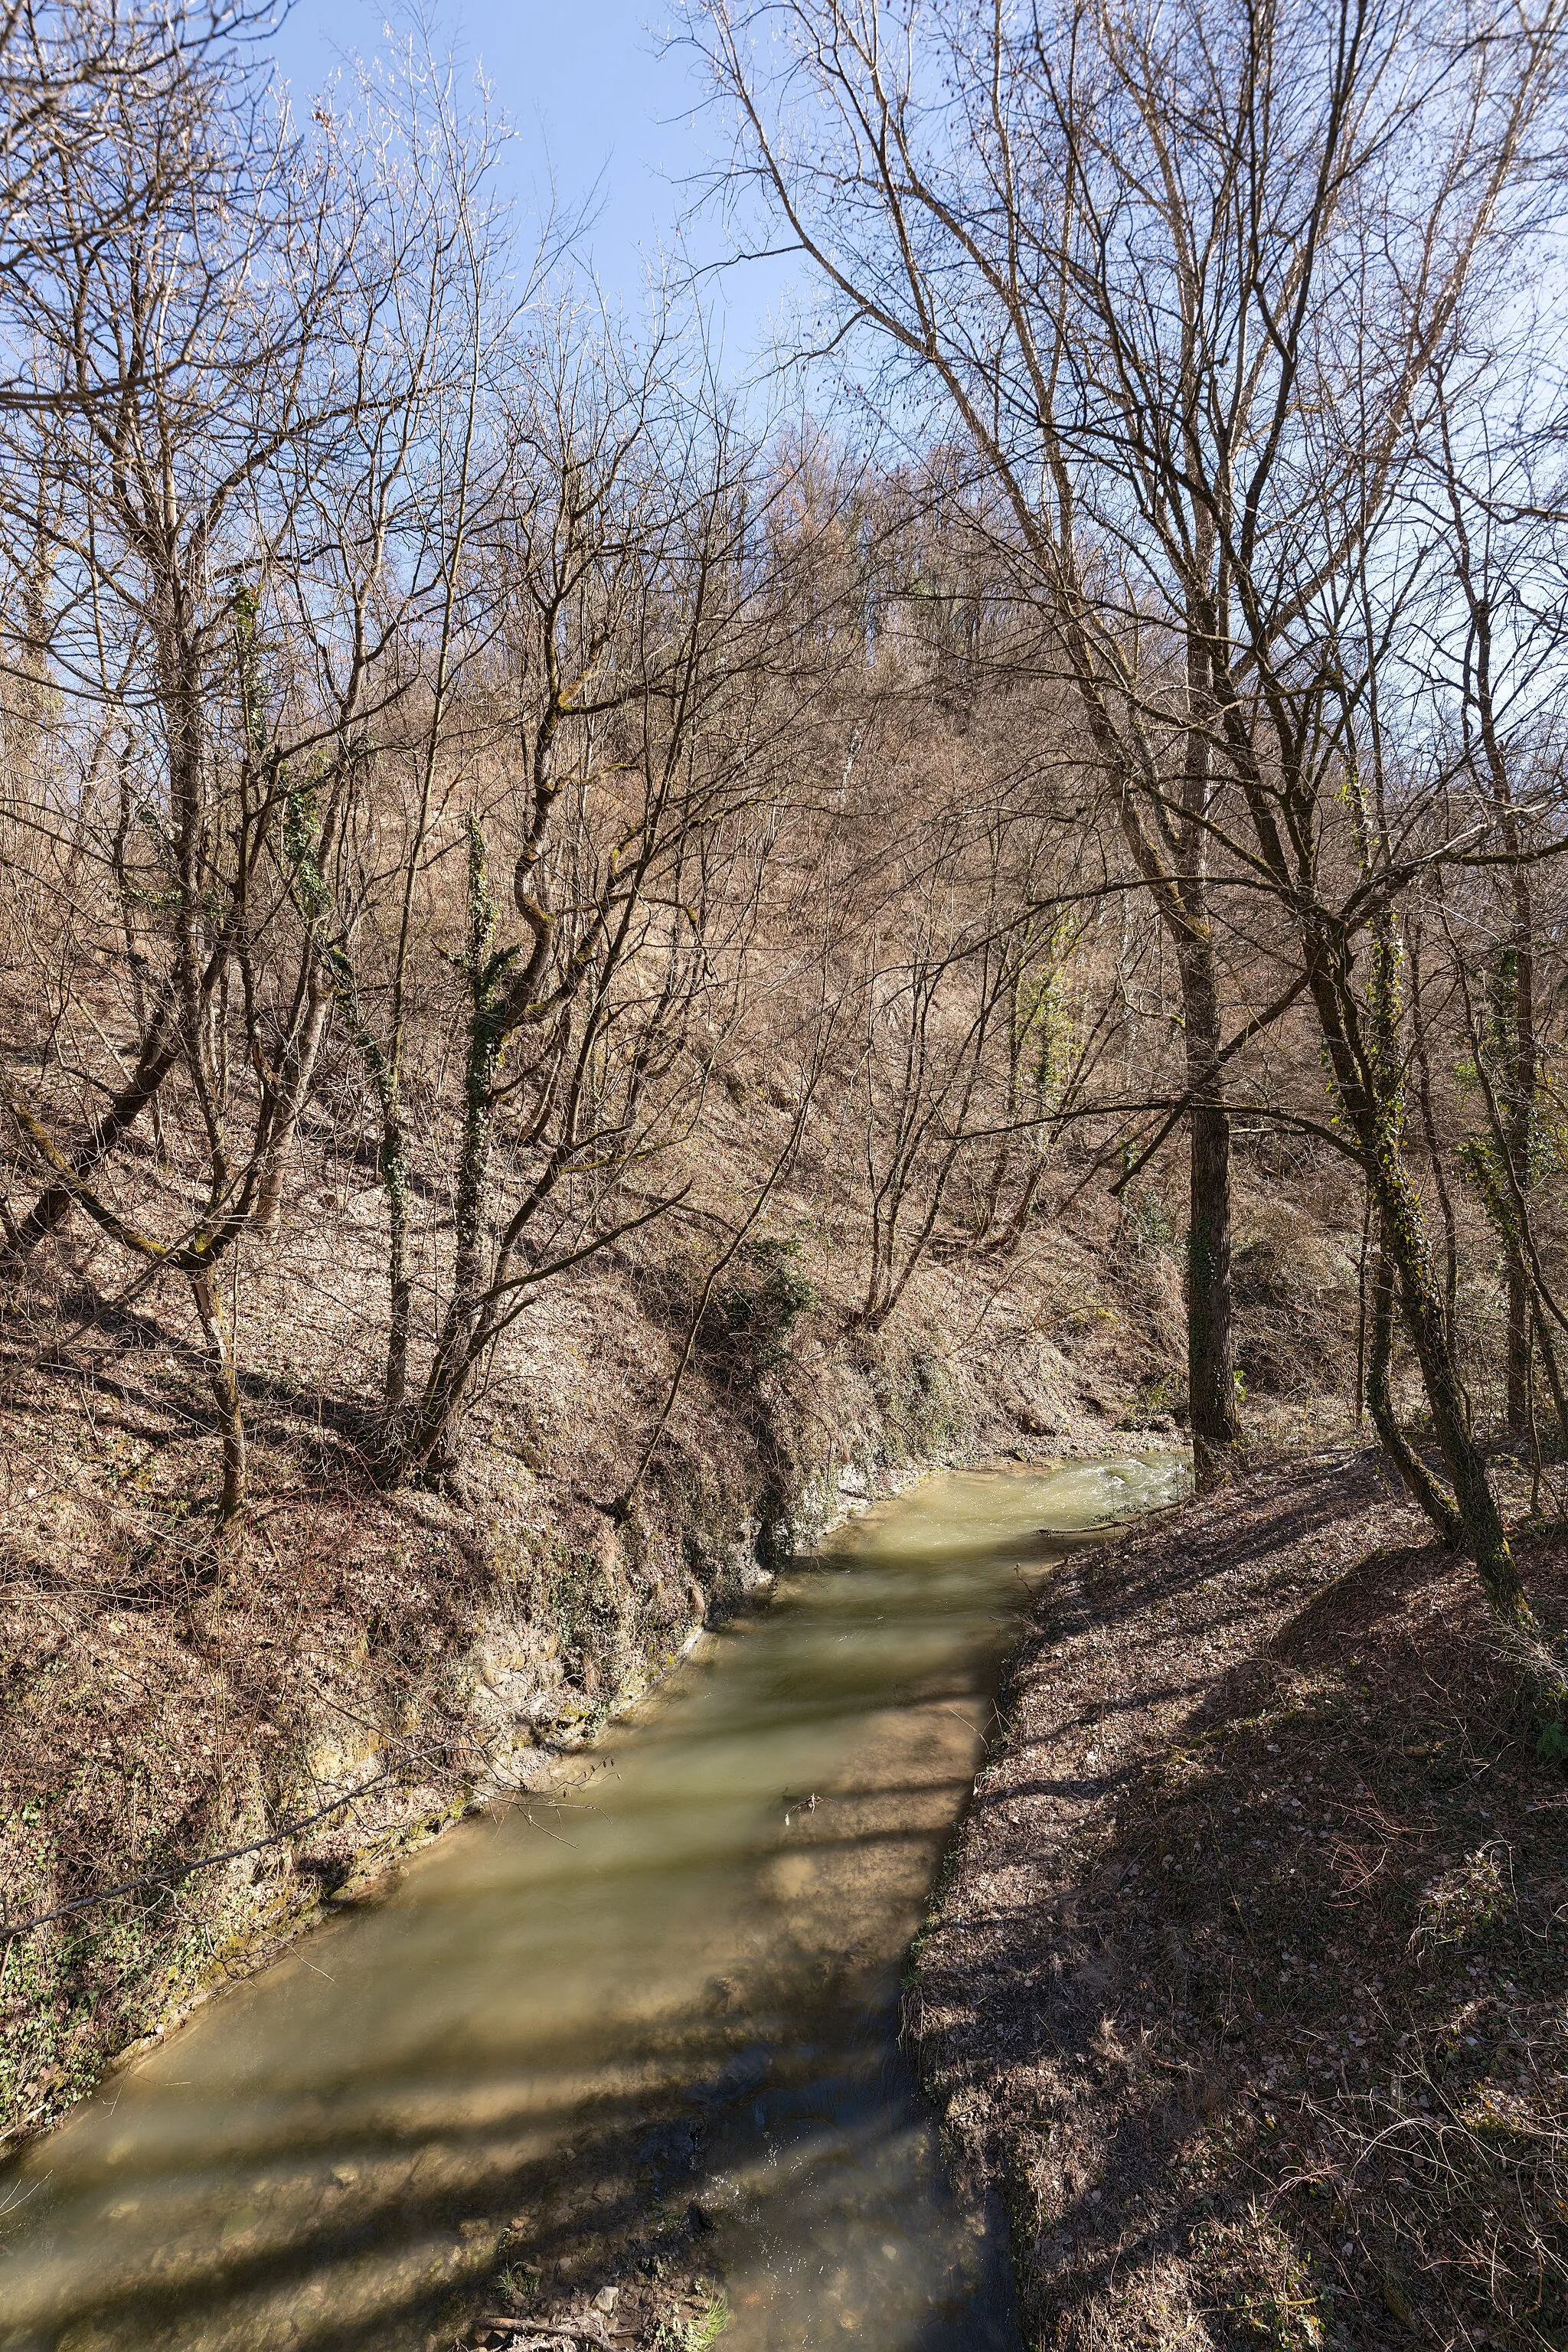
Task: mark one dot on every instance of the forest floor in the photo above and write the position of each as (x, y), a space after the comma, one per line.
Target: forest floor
(1245, 1985)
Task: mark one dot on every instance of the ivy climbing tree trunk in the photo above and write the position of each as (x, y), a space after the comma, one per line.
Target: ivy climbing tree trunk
(425, 1442)
(1365, 1071)
(1519, 1139)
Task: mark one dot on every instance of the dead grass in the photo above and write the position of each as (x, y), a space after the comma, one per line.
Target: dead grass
(1247, 1986)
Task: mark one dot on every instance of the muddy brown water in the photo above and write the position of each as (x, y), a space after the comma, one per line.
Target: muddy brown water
(569, 2022)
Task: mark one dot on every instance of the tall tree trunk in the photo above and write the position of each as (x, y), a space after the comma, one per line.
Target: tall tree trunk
(1178, 879)
(1521, 1141)
(1211, 1363)
(1211, 1367)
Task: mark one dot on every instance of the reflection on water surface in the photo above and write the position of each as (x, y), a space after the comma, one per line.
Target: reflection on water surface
(684, 1985)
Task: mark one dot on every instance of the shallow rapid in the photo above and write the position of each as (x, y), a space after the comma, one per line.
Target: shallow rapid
(678, 1983)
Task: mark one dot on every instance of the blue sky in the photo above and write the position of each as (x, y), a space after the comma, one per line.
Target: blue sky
(592, 102)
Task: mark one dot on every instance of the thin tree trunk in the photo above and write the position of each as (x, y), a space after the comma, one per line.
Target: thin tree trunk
(1211, 1370)
(1429, 1132)
(392, 1160)
(1481, 1523)
(1424, 1488)
(431, 1437)
(1368, 1092)
(1520, 1138)
(293, 1087)
(225, 1389)
(313, 896)
(1518, 1057)
(1509, 1218)
(1018, 1222)
(1360, 1312)
(1554, 1372)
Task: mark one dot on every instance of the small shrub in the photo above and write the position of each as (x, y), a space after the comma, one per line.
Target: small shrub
(1160, 1392)
(1148, 1225)
(751, 1317)
(1552, 1745)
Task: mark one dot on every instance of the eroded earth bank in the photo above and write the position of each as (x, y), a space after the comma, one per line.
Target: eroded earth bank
(625, 2049)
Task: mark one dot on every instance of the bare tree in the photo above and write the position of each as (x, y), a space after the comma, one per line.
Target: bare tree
(618, 722)
(213, 356)
(933, 228)
(1185, 279)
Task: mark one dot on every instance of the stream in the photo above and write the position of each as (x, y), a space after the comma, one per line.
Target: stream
(675, 1981)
